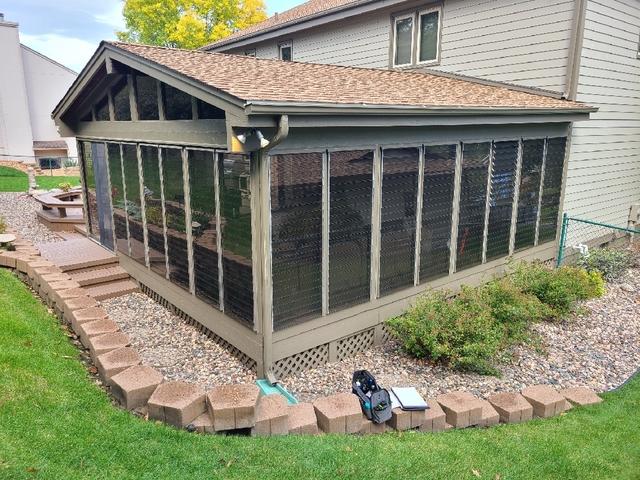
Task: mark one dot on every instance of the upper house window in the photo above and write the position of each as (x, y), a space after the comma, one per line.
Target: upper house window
(285, 51)
(416, 38)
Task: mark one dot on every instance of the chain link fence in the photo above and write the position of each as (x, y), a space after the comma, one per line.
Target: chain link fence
(578, 235)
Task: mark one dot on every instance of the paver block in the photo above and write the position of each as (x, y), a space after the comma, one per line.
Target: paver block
(95, 328)
(490, 416)
(461, 408)
(78, 304)
(233, 406)
(435, 418)
(512, 407)
(370, 428)
(60, 295)
(545, 400)
(272, 416)
(340, 413)
(101, 344)
(177, 403)
(302, 419)
(78, 317)
(133, 387)
(22, 263)
(39, 263)
(580, 396)
(115, 361)
(8, 259)
(405, 419)
(203, 423)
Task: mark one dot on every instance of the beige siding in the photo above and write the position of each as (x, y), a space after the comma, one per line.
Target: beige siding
(604, 167)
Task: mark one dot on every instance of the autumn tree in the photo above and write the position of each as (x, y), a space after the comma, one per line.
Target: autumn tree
(187, 23)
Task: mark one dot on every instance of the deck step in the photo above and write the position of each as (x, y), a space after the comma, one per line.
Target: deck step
(117, 288)
(95, 276)
(76, 254)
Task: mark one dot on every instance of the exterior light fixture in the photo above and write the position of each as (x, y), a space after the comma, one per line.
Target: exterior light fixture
(263, 141)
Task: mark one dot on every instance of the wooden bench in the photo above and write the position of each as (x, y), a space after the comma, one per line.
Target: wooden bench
(60, 201)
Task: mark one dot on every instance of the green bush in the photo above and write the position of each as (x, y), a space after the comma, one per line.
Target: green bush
(558, 288)
(3, 225)
(611, 263)
(459, 331)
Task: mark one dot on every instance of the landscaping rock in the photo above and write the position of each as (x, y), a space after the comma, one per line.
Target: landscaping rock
(405, 419)
(272, 415)
(116, 361)
(177, 403)
(203, 424)
(38, 263)
(580, 396)
(461, 409)
(302, 419)
(545, 400)
(78, 304)
(101, 344)
(340, 413)
(512, 407)
(370, 428)
(95, 328)
(233, 406)
(9, 259)
(435, 418)
(22, 262)
(134, 386)
(60, 295)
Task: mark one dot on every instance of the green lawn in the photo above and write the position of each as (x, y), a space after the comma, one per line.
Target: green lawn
(55, 423)
(12, 180)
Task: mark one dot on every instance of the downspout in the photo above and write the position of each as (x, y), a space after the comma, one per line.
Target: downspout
(575, 50)
(265, 247)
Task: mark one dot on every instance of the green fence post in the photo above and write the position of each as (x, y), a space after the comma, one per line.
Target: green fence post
(563, 239)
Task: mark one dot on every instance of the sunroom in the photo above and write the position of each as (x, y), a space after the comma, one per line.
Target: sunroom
(291, 208)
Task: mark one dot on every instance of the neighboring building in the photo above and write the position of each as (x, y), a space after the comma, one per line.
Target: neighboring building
(291, 208)
(30, 86)
(584, 50)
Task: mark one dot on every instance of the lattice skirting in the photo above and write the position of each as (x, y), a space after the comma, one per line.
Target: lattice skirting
(242, 357)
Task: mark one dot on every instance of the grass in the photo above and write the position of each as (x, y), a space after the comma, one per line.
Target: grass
(55, 423)
(12, 180)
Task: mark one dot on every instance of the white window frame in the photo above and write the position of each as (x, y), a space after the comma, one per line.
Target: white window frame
(418, 25)
(396, 19)
(250, 52)
(282, 45)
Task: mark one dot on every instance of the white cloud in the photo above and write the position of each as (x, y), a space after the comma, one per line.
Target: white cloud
(112, 16)
(71, 52)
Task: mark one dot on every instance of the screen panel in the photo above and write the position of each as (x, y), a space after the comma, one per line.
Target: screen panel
(551, 189)
(90, 190)
(398, 218)
(177, 104)
(121, 105)
(147, 97)
(134, 204)
(235, 221)
(203, 225)
(437, 208)
(296, 237)
(350, 191)
(118, 198)
(503, 177)
(102, 110)
(175, 216)
(530, 173)
(153, 208)
(473, 198)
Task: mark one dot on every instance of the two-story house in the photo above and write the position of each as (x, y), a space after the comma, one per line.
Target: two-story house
(584, 50)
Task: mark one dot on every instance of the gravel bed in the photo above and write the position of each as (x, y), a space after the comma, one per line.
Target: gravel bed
(178, 350)
(599, 349)
(19, 212)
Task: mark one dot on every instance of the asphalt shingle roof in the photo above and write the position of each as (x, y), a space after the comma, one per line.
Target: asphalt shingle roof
(261, 80)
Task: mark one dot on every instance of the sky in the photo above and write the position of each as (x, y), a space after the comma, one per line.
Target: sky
(69, 31)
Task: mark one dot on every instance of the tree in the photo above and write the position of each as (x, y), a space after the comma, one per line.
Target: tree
(187, 23)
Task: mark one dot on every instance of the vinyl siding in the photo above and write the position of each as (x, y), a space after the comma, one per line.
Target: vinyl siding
(604, 168)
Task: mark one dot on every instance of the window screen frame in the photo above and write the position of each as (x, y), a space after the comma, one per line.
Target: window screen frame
(281, 46)
(394, 26)
(418, 26)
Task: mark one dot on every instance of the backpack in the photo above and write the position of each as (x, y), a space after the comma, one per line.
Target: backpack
(375, 401)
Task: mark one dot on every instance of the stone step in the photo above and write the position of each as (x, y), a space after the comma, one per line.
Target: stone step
(94, 276)
(77, 254)
(117, 288)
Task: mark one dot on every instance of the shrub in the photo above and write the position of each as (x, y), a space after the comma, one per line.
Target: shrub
(558, 288)
(3, 225)
(65, 186)
(459, 331)
(611, 263)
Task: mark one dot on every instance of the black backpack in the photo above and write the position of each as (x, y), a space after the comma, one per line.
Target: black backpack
(375, 401)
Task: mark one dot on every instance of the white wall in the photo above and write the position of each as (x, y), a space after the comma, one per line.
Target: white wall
(604, 170)
(46, 83)
(15, 129)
